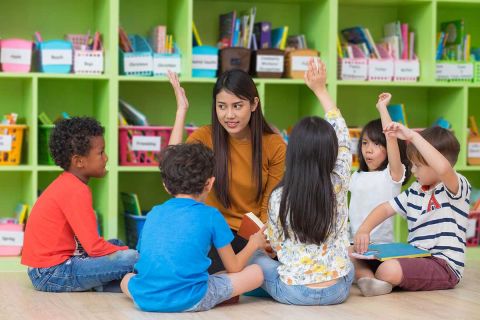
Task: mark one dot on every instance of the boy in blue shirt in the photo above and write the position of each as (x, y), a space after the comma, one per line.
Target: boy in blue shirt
(172, 271)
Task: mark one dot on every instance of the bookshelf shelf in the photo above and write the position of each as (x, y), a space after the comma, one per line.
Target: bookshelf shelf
(284, 101)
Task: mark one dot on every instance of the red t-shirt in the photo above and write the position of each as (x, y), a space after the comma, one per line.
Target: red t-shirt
(62, 212)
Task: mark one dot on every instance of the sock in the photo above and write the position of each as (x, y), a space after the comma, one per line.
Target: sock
(373, 287)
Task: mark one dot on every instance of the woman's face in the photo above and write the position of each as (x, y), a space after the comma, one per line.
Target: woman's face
(234, 114)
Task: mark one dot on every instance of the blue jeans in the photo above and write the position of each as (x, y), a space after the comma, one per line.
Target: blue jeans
(300, 294)
(83, 273)
(219, 289)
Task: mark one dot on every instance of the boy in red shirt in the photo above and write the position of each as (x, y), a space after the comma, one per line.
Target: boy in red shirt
(62, 246)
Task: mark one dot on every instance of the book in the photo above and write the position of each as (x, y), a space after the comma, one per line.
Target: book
(404, 28)
(262, 31)
(227, 26)
(44, 119)
(297, 42)
(158, 39)
(131, 204)
(397, 113)
(195, 36)
(250, 224)
(387, 251)
(455, 30)
(131, 114)
(279, 37)
(251, 21)
(21, 211)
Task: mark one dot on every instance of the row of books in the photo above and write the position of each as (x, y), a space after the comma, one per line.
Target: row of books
(398, 42)
(159, 41)
(453, 43)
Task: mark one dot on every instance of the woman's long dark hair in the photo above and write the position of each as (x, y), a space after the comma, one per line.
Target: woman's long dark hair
(240, 84)
(374, 131)
(308, 198)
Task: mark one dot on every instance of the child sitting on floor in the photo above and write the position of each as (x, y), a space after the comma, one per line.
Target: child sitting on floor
(62, 246)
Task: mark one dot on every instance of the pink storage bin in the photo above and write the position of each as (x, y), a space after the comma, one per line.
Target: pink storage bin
(141, 145)
(11, 239)
(16, 55)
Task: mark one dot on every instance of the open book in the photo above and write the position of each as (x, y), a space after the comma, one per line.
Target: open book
(387, 251)
(250, 225)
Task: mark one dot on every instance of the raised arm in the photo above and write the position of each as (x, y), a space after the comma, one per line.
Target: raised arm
(182, 108)
(316, 79)
(393, 152)
(432, 156)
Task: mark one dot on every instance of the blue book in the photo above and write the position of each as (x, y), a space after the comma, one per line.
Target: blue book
(397, 113)
(387, 251)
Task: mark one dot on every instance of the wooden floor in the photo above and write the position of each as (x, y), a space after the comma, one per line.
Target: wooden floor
(18, 300)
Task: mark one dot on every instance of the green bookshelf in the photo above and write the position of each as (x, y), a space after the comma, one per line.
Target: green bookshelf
(284, 100)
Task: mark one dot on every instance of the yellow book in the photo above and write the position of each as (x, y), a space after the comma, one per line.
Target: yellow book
(283, 42)
(339, 48)
(196, 35)
(473, 126)
(21, 213)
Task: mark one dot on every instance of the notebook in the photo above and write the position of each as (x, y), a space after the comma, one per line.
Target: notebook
(250, 224)
(387, 251)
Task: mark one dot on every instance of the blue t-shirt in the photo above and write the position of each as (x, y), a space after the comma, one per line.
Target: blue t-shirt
(172, 270)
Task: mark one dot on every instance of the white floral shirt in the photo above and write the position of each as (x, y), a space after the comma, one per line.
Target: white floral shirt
(301, 263)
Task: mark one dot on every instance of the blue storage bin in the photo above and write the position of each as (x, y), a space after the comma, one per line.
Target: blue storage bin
(133, 228)
(162, 62)
(55, 56)
(204, 62)
(140, 61)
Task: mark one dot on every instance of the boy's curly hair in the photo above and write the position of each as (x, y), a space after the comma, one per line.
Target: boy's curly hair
(72, 137)
(185, 168)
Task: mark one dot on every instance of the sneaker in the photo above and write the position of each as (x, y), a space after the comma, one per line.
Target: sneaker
(373, 287)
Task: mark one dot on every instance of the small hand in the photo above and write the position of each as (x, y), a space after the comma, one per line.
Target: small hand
(361, 242)
(399, 131)
(259, 239)
(316, 75)
(182, 101)
(383, 100)
(269, 251)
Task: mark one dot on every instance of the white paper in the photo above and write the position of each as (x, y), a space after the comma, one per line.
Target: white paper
(380, 69)
(162, 64)
(474, 149)
(300, 63)
(16, 56)
(269, 63)
(137, 63)
(6, 143)
(142, 143)
(88, 63)
(56, 57)
(205, 62)
(11, 238)
(407, 68)
(354, 69)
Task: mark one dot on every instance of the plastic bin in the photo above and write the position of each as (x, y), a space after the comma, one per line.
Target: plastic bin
(141, 145)
(133, 228)
(269, 63)
(235, 58)
(44, 156)
(11, 239)
(16, 55)
(55, 56)
(204, 62)
(352, 69)
(296, 62)
(476, 66)
(140, 61)
(85, 61)
(162, 62)
(11, 140)
(454, 71)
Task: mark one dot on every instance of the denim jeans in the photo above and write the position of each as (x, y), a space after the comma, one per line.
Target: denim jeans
(300, 294)
(83, 273)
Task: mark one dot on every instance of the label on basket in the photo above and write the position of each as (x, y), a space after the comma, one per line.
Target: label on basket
(16, 56)
(88, 63)
(443, 71)
(56, 57)
(462, 71)
(269, 63)
(142, 143)
(300, 63)
(5, 143)
(474, 149)
(137, 63)
(162, 64)
(11, 238)
(205, 62)
(407, 68)
(354, 69)
(380, 69)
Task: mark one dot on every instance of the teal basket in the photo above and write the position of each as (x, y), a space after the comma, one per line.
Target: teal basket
(133, 228)
(476, 67)
(141, 49)
(44, 156)
(55, 45)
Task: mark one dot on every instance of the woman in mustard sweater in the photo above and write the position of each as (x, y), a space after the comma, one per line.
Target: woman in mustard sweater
(249, 155)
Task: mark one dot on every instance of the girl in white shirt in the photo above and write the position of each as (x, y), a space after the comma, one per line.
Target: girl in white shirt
(384, 167)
